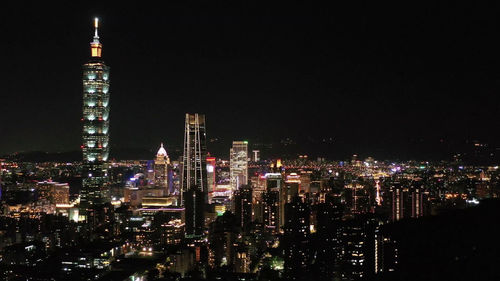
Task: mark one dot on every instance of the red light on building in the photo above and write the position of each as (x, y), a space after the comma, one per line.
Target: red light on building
(198, 254)
(211, 164)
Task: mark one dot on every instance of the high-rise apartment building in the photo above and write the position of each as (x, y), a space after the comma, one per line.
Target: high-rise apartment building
(95, 135)
(407, 202)
(360, 256)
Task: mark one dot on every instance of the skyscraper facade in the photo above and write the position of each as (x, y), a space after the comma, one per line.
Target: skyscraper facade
(407, 202)
(243, 207)
(239, 164)
(161, 169)
(273, 207)
(95, 127)
(256, 155)
(194, 174)
(296, 239)
(211, 167)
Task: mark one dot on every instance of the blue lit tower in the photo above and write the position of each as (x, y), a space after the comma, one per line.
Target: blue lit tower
(95, 135)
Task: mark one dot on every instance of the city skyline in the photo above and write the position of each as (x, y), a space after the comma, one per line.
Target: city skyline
(358, 77)
(318, 144)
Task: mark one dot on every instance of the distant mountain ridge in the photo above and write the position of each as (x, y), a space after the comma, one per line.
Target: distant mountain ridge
(469, 153)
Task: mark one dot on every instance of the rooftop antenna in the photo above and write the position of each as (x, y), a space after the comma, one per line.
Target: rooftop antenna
(96, 26)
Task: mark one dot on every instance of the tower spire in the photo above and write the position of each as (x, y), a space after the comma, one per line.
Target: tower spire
(96, 26)
(96, 46)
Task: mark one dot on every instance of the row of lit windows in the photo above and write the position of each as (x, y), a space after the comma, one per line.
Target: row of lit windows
(93, 90)
(96, 102)
(92, 144)
(96, 110)
(92, 129)
(93, 75)
(91, 115)
(91, 157)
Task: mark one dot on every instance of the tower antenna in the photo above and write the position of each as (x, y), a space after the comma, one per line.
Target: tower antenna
(96, 26)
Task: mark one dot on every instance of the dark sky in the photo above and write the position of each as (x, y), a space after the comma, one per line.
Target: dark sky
(376, 76)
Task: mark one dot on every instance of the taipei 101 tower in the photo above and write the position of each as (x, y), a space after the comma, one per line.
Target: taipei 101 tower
(95, 134)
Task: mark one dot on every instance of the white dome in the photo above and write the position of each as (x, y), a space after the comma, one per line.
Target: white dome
(161, 151)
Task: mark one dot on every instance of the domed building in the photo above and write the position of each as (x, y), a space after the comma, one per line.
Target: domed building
(162, 163)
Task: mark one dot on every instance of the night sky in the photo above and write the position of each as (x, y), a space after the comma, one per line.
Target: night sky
(376, 78)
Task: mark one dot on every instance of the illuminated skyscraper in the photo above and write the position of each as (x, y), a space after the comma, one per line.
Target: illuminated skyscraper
(296, 239)
(211, 166)
(256, 155)
(239, 164)
(161, 169)
(95, 133)
(407, 202)
(243, 206)
(194, 174)
(273, 207)
(54, 192)
(292, 187)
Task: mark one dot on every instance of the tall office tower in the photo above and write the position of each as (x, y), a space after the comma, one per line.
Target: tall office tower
(95, 135)
(194, 174)
(292, 187)
(271, 210)
(238, 164)
(256, 155)
(161, 169)
(258, 187)
(296, 239)
(273, 207)
(258, 191)
(150, 171)
(328, 232)
(211, 165)
(243, 206)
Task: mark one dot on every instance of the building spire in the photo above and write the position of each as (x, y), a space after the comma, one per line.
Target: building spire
(96, 46)
(96, 26)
